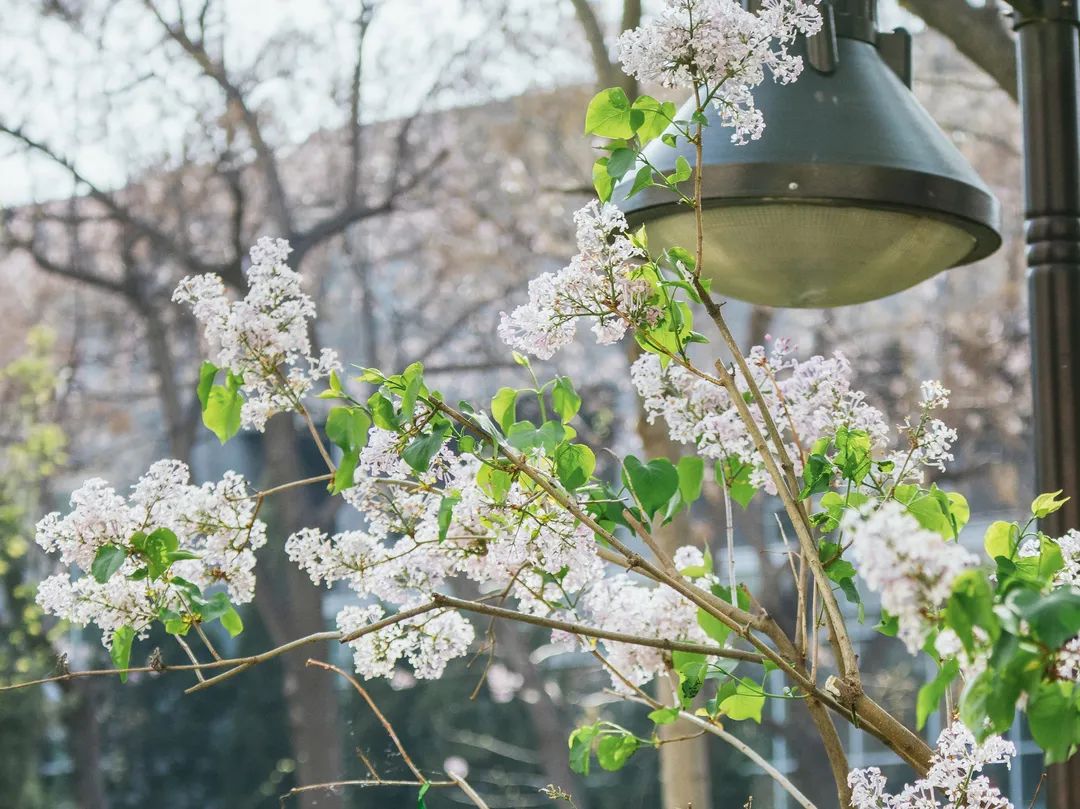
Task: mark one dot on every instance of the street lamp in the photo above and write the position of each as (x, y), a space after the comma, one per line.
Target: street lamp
(853, 193)
(1048, 42)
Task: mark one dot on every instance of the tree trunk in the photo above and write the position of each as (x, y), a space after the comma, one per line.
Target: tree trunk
(84, 744)
(294, 609)
(551, 730)
(684, 766)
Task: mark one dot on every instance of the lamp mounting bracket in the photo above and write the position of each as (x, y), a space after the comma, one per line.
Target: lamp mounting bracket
(857, 19)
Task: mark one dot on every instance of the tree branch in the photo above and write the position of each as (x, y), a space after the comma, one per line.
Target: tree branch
(981, 34)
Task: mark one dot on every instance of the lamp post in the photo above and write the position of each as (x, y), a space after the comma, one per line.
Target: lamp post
(872, 198)
(1048, 44)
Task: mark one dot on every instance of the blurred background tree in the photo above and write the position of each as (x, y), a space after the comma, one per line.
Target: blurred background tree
(142, 140)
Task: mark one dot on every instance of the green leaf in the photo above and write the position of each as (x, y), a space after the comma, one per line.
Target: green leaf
(446, 514)
(664, 716)
(1052, 717)
(656, 117)
(930, 694)
(691, 471)
(602, 181)
(653, 483)
(580, 744)
(346, 469)
(107, 560)
(1046, 504)
(504, 408)
(157, 547)
(180, 556)
(692, 668)
(230, 619)
(221, 412)
(1001, 539)
(853, 454)
(642, 180)
(214, 607)
(382, 412)
(413, 377)
(817, 476)
(347, 428)
(609, 115)
(713, 626)
(422, 449)
(614, 751)
(682, 172)
(207, 373)
(420, 804)
(620, 162)
(494, 482)
(565, 400)
(120, 650)
(971, 605)
(574, 465)
(1054, 618)
(746, 703)
(523, 435)
(889, 625)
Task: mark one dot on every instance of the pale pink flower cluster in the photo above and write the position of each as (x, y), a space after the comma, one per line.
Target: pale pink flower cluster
(955, 779)
(621, 604)
(911, 568)
(718, 45)
(807, 400)
(949, 646)
(599, 283)
(523, 543)
(930, 440)
(1067, 666)
(216, 521)
(428, 641)
(263, 337)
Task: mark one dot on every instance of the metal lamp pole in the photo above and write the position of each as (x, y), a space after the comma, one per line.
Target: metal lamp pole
(1048, 42)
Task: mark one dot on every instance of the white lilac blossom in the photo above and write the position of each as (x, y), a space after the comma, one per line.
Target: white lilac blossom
(807, 400)
(954, 781)
(262, 338)
(619, 603)
(428, 641)
(599, 283)
(913, 569)
(215, 521)
(1067, 665)
(949, 646)
(719, 46)
(929, 439)
(521, 543)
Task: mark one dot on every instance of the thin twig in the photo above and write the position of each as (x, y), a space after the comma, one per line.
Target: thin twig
(470, 793)
(378, 714)
(294, 484)
(191, 656)
(330, 785)
(643, 533)
(746, 750)
(595, 632)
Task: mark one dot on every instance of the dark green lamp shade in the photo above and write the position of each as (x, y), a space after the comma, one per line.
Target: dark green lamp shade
(853, 193)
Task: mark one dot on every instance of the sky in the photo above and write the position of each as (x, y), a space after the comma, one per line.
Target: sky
(53, 76)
